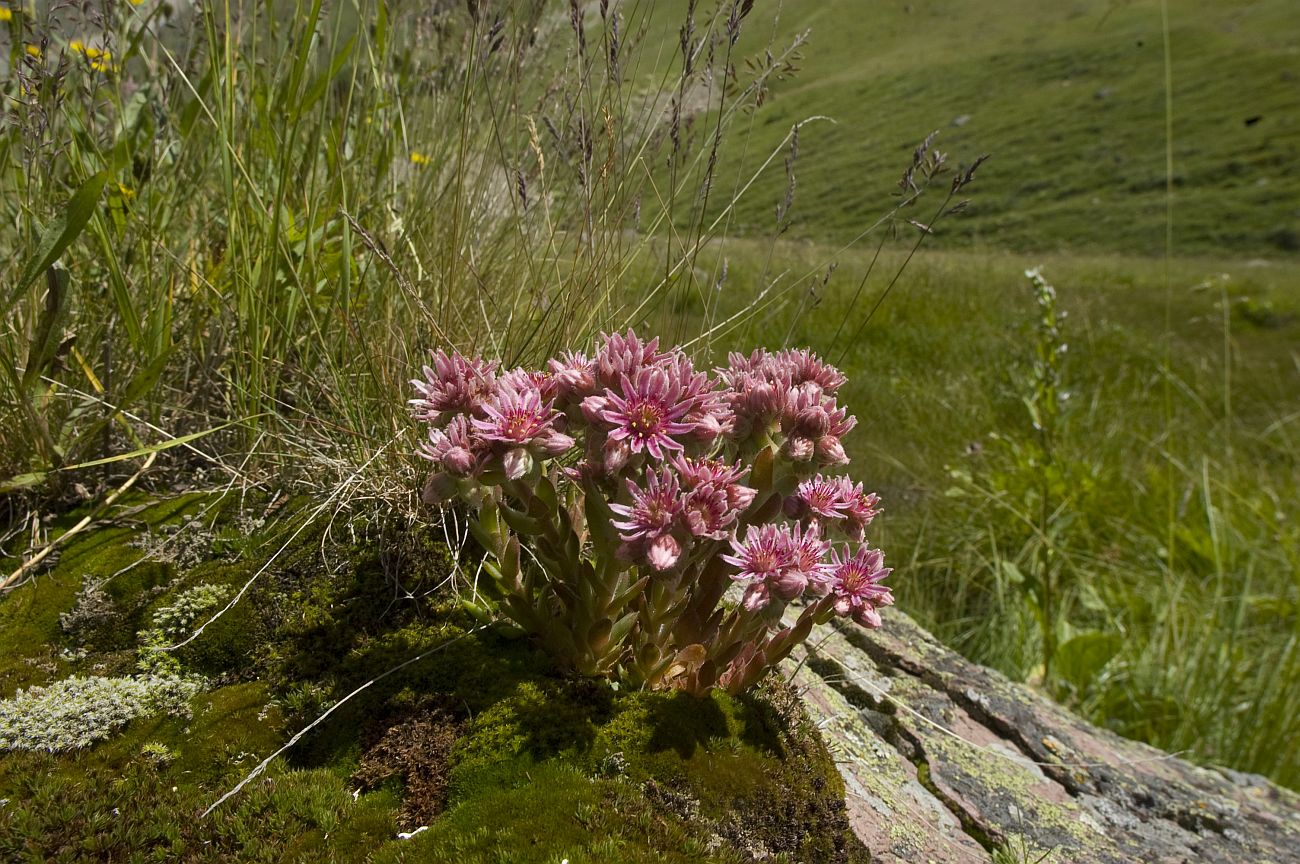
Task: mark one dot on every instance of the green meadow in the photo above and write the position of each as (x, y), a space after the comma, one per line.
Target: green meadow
(232, 232)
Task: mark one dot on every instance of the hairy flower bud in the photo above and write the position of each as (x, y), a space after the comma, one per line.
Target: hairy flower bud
(439, 489)
(615, 454)
(663, 552)
(593, 407)
(830, 451)
(798, 449)
(459, 461)
(517, 462)
(557, 444)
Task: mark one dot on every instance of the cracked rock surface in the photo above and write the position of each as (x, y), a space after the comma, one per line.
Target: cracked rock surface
(946, 761)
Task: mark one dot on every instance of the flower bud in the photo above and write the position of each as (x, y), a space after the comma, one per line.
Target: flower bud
(798, 448)
(663, 552)
(615, 454)
(790, 584)
(813, 422)
(557, 444)
(708, 427)
(756, 597)
(517, 463)
(593, 408)
(740, 497)
(795, 507)
(458, 461)
(867, 616)
(439, 489)
(830, 451)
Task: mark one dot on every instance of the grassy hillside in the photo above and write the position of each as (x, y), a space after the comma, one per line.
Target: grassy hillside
(1069, 100)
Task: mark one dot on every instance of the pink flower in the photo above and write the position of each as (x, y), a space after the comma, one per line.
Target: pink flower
(708, 513)
(519, 426)
(819, 498)
(515, 416)
(712, 415)
(766, 560)
(624, 356)
(764, 553)
(808, 557)
(794, 387)
(755, 404)
(716, 475)
(739, 364)
(527, 379)
(707, 472)
(649, 412)
(574, 377)
(836, 500)
(454, 385)
(860, 508)
(806, 367)
(455, 448)
(653, 510)
(857, 588)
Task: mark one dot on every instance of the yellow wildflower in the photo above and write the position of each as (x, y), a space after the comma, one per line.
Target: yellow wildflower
(419, 158)
(6, 14)
(126, 192)
(32, 50)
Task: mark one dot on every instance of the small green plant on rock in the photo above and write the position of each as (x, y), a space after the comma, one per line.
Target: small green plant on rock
(172, 622)
(77, 711)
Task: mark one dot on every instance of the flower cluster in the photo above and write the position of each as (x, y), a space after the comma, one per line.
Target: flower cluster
(643, 488)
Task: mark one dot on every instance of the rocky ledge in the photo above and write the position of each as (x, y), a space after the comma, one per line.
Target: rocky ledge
(947, 761)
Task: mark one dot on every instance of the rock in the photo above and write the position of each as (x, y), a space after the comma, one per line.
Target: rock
(946, 761)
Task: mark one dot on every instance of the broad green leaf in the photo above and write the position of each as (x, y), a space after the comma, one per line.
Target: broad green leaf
(22, 481)
(61, 233)
(45, 341)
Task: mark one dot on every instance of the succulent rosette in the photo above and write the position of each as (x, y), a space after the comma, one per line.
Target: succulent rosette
(643, 488)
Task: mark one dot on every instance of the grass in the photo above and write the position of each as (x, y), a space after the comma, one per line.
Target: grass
(209, 240)
(1068, 99)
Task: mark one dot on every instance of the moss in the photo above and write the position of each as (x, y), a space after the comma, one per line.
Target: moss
(30, 631)
(114, 802)
(526, 766)
(751, 773)
(229, 645)
(561, 814)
